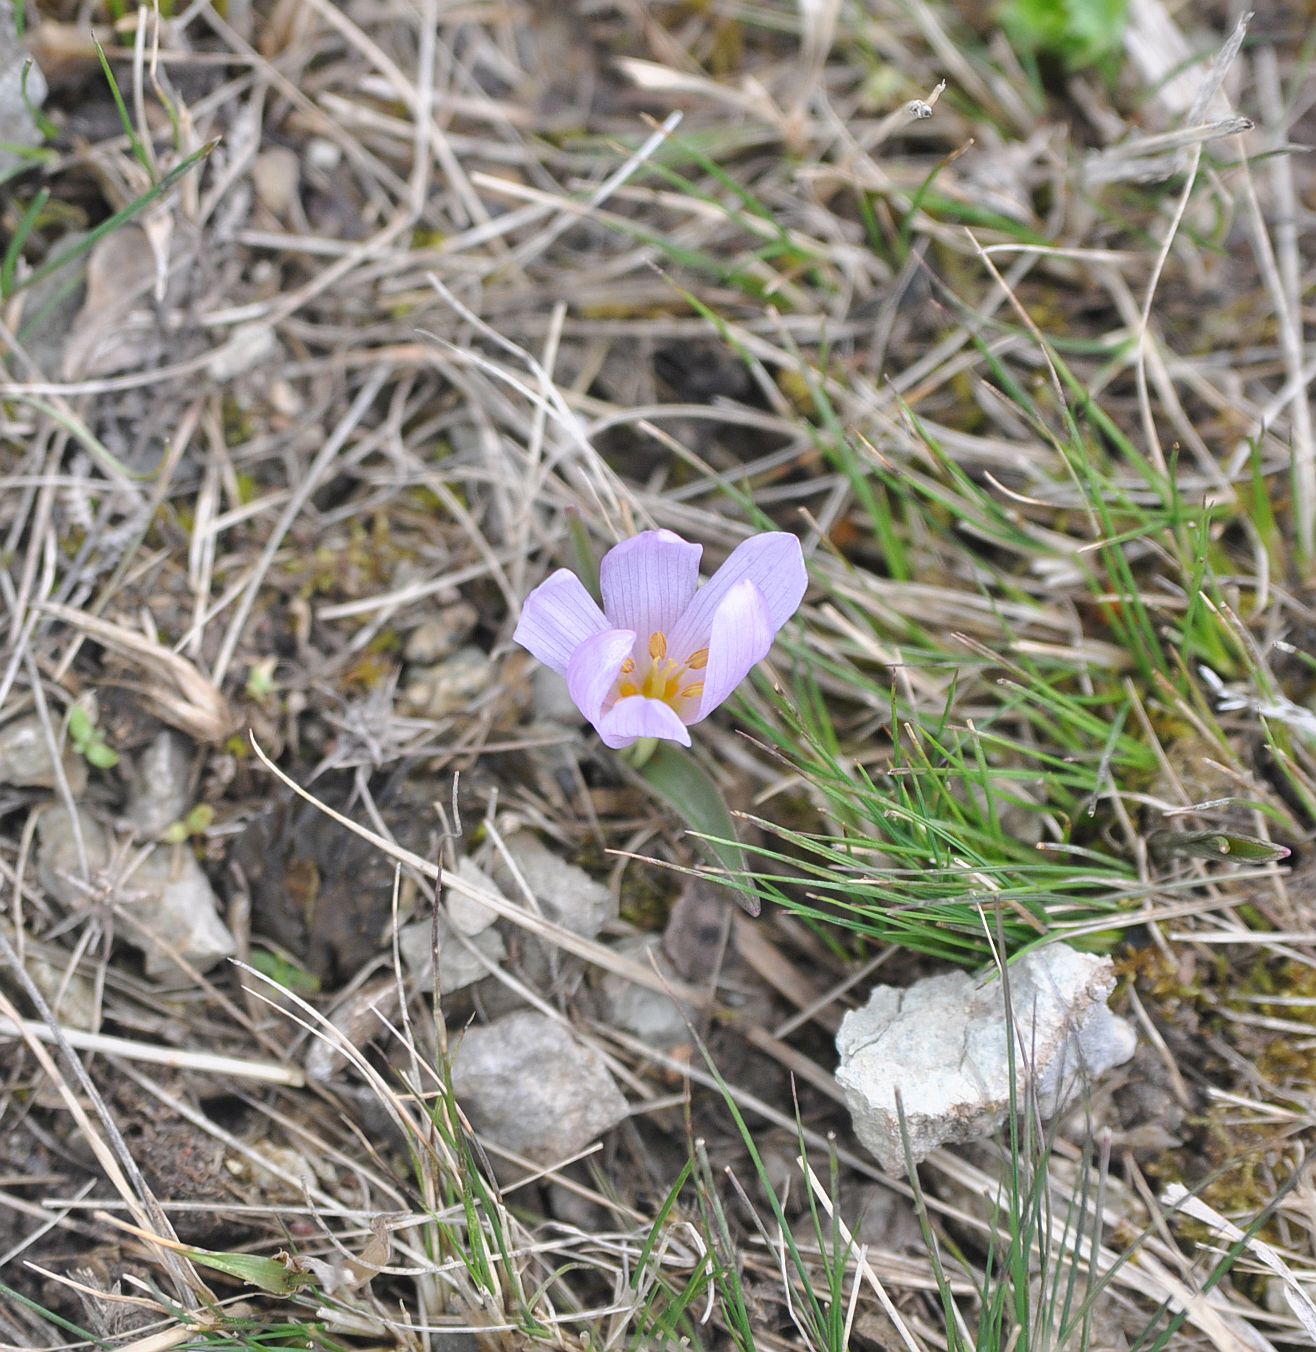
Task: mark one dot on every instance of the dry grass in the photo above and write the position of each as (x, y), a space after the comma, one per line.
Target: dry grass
(450, 287)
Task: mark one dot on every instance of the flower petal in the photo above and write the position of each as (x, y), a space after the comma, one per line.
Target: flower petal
(592, 671)
(772, 561)
(557, 617)
(635, 716)
(742, 633)
(648, 580)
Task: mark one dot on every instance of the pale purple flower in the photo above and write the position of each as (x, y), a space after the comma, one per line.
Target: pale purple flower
(663, 652)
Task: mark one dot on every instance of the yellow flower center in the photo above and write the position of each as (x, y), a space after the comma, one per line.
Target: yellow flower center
(663, 678)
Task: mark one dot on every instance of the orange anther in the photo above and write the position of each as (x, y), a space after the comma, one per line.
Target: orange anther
(658, 646)
(697, 661)
(693, 691)
(628, 666)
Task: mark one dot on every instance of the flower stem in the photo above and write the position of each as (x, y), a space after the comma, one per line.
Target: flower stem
(639, 751)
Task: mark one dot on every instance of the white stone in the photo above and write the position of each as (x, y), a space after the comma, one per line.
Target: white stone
(551, 699)
(941, 1043)
(468, 944)
(275, 175)
(70, 995)
(528, 1085)
(60, 860)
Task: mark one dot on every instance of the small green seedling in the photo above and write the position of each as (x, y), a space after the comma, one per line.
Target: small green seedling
(284, 972)
(260, 678)
(196, 823)
(88, 740)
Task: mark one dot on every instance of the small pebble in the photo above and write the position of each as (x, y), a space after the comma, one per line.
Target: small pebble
(26, 761)
(168, 894)
(159, 784)
(650, 1015)
(530, 1086)
(440, 636)
(454, 686)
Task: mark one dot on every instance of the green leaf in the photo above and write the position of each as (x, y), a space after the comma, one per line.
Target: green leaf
(279, 1275)
(100, 755)
(1231, 846)
(1077, 32)
(587, 561)
(81, 728)
(199, 820)
(284, 973)
(678, 780)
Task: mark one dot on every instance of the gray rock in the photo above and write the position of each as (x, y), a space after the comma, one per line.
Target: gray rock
(650, 1015)
(167, 893)
(248, 346)
(60, 861)
(441, 635)
(469, 916)
(171, 897)
(70, 995)
(17, 125)
(453, 686)
(276, 176)
(357, 1018)
(463, 959)
(159, 784)
(468, 943)
(941, 1044)
(551, 700)
(26, 761)
(50, 306)
(526, 1083)
(567, 894)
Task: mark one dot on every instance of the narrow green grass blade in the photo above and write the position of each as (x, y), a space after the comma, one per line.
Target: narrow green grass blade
(21, 232)
(138, 149)
(108, 226)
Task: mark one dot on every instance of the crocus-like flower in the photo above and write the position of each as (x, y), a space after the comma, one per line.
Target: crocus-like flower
(663, 652)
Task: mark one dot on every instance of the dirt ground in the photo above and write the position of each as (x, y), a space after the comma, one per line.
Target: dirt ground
(328, 331)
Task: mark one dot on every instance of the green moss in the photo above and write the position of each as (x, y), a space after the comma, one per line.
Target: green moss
(376, 664)
(647, 896)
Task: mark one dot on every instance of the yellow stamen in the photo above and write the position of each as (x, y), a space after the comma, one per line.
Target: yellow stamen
(628, 666)
(627, 688)
(658, 646)
(697, 661)
(693, 691)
